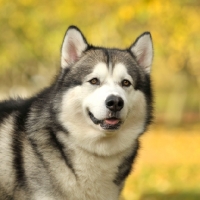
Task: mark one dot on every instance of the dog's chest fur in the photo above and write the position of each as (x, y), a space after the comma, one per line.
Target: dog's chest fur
(92, 176)
(95, 176)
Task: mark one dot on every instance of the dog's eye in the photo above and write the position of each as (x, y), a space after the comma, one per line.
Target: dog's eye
(126, 83)
(95, 81)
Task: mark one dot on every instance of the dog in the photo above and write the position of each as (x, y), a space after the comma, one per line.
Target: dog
(78, 138)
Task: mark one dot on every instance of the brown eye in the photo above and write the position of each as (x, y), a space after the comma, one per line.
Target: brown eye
(95, 81)
(126, 83)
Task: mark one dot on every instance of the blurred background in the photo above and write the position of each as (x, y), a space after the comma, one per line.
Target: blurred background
(31, 33)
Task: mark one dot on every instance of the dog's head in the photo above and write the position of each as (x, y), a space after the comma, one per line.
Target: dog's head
(106, 92)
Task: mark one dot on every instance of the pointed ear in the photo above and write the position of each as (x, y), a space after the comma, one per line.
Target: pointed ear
(74, 44)
(142, 49)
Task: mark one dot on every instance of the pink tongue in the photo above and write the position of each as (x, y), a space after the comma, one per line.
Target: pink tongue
(112, 121)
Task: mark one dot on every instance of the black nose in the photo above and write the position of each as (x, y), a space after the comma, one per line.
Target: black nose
(114, 103)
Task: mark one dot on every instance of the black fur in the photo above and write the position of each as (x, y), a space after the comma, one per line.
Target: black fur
(9, 106)
(125, 167)
(18, 162)
(60, 146)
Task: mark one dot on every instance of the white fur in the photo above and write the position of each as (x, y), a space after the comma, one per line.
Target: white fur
(143, 50)
(95, 174)
(98, 153)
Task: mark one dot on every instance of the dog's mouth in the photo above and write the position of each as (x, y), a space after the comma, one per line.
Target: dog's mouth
(111, 123)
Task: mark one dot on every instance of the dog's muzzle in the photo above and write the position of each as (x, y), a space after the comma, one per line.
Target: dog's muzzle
(114, 104)
(110, 123)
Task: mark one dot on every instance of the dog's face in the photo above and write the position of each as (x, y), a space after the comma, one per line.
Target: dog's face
(110, 89)
(108, 94)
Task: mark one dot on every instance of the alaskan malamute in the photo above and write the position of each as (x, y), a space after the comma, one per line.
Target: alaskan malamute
(78, 138)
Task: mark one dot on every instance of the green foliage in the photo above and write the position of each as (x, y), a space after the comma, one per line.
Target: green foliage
(32, 32)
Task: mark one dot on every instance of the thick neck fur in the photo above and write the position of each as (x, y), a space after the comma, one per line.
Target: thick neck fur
(96, 177)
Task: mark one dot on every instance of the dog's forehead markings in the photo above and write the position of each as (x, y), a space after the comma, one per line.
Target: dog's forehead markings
(110, 69)
(120, 70)
(120, 67)
(111, 72)
(100, 69)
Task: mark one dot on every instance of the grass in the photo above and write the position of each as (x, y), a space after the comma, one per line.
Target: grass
(168, 166)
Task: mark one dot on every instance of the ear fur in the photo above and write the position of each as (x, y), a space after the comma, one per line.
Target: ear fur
(74, 44)
(142, 49)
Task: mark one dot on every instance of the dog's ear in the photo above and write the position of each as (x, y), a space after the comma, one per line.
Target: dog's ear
(74, 44)
(142, 49)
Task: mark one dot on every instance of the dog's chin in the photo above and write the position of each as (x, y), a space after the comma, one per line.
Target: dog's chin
(108, 124)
